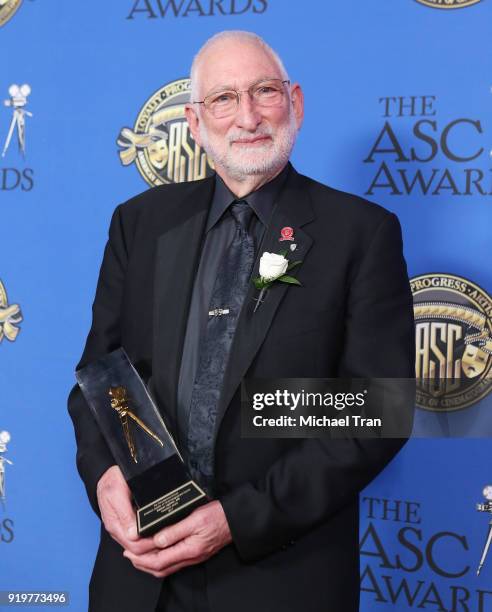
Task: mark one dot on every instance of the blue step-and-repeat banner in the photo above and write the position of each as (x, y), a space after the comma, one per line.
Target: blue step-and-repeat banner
(398, 110)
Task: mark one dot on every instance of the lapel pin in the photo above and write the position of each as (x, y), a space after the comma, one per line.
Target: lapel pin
(286, 233)
(293, 247)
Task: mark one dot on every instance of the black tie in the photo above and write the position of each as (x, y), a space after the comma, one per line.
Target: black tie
(230, 288)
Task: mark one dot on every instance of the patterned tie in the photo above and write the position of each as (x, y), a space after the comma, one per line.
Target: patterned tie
(231, 286)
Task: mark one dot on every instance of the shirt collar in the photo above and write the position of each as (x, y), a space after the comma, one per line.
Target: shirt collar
(261, 201)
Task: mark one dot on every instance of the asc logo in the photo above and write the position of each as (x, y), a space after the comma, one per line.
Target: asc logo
(7, 10)
(448, 4)
(453, 333)
(160, 143)
(415, 153)
(10, 317)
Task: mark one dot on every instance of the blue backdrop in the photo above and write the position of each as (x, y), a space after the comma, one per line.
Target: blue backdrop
(398, 110)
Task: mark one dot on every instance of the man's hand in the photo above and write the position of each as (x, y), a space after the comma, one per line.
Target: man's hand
(117, 514)
(193, 540)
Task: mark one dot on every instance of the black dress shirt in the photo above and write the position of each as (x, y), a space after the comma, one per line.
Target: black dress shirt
(219, 233)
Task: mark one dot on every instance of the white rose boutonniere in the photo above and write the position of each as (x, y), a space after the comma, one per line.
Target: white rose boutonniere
(273, 267)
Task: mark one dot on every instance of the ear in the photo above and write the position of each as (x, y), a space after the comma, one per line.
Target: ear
(297, 99)
(193, 122)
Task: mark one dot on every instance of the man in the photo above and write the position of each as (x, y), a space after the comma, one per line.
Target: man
(281, 531)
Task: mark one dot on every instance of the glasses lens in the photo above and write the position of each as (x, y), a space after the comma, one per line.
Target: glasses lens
(268, 93)
(222, 103)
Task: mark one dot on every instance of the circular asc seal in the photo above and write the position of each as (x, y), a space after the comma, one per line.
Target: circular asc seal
(7, 10)
(448, 4)
(160, 142)
(453, 336)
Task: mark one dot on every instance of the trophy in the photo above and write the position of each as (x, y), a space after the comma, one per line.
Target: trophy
(486, 507)
(140, 442)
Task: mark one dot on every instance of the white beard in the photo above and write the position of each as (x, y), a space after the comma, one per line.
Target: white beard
(241, 161)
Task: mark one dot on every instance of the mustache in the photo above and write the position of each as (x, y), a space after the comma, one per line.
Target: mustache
(244, 135)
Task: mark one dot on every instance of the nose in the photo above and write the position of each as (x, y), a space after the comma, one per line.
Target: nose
(247, 115)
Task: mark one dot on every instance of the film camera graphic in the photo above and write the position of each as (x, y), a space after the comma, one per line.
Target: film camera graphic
(17, 101)
(4, 440)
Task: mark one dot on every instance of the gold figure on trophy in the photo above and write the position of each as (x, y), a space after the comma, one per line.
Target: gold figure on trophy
(119, 401)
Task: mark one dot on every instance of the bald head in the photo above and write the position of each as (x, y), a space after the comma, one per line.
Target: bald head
(221, 47)
(249, 141)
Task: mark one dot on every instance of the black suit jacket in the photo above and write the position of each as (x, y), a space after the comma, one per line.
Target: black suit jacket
(292, 505)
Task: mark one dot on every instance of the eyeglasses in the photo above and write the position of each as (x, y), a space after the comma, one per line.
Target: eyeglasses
(269, 92)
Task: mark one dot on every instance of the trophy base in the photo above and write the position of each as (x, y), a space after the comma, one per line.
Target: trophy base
(169, 508)
(157, 510)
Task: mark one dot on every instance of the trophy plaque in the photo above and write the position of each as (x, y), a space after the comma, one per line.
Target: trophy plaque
(140, 442)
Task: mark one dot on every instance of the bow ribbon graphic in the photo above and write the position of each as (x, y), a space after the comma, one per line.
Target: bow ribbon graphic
(10, 317)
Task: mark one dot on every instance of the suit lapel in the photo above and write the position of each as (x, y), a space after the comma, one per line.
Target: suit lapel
(294, 210)
(177, 259)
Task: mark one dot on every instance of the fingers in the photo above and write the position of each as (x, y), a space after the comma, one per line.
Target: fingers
(140, 546)
(117, 513)
(163, 573)
(191, 541)
(161, 563)
(175, 533)
(160, 559)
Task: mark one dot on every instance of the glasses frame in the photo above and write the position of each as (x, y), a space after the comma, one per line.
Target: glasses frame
(238, 93)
